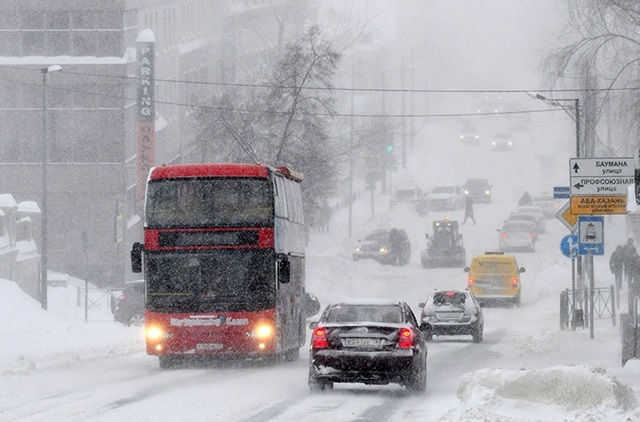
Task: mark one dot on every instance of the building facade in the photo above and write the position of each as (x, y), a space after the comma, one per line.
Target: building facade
(93, 215)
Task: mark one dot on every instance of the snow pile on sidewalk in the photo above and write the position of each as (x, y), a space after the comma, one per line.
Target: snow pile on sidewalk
(579, 393)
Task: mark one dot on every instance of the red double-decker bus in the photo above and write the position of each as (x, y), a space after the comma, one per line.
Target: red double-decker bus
(223, 259)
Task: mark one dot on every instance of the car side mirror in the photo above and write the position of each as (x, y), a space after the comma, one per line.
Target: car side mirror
(284, 269)
(466, 269)
(136, 257)
(522, 269)
(313, 325)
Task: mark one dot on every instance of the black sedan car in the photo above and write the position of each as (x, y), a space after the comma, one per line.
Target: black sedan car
(385, 246)
(370, 342)
(453, 312)
(128, 307)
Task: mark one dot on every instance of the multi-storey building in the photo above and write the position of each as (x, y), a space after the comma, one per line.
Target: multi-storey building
(91, 105)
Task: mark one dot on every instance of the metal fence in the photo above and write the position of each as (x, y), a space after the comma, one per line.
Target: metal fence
(98, 300)
(604, 306)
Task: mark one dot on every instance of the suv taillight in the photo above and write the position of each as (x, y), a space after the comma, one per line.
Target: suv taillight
(319, 340)
(470, 281)
(405, 338)
(514, 282)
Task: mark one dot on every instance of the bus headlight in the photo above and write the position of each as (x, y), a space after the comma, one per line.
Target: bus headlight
(155, 333)
(262, 331)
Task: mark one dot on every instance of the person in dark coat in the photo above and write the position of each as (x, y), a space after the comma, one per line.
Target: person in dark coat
(634, 280)
(628, 253)
(468, 209)
(616, 264)
(525, 199)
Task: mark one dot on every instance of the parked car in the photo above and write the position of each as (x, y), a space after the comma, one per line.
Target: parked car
(478, 189)
(370, 342)
(494, 277)
(502, 142)
(128, 306)
(448, 197)
(537, 212)
(516, 235)
(525, 217)
(452, 312)
(414, 197)
(385, 246)
(547, 204)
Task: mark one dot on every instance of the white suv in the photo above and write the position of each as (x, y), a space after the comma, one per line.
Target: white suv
(449, 197)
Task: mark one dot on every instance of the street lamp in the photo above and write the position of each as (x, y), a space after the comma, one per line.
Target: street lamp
(45, 159)
(558, 102)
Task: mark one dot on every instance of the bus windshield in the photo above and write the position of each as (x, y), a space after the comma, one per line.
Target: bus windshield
(216, 281)
(208, 202)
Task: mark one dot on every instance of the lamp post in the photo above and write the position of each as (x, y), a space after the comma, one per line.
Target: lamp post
(576, 117)
(45, 160)
(589, 258)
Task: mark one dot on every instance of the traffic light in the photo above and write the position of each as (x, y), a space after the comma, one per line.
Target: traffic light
(389, 147)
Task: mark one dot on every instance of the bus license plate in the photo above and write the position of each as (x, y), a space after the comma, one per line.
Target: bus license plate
(358, 342)
(209, 346)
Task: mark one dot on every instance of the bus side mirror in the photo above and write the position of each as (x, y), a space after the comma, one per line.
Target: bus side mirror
(284, 269)
(136, 257)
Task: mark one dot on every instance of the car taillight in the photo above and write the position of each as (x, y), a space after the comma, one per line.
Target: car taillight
(514, 282)
(405, 338)
(470, 281)
(319, 340)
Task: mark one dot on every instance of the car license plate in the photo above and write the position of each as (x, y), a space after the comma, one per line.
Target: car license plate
(209, 346)
(359, 342)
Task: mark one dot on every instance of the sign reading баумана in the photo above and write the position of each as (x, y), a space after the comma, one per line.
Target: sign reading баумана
(598, 205)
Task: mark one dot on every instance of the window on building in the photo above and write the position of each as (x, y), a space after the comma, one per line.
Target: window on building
(84, 43)
(33, 43)
(10, 20)
(32, 20)
(83, 20)
(109, 20)
(58, 43)
(58, 20)
(109, 44)
(10, 43)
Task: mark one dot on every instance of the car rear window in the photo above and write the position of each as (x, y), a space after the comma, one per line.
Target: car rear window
(449, 298)
(346, 313)
(494, 266)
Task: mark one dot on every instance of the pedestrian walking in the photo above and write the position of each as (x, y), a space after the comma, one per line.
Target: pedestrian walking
(525, 199)
(616, 265)
(628, 253)
(634, 281)
(468, 209)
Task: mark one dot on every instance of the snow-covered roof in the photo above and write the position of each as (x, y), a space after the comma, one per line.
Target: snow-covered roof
(29, 207)
(7, 201)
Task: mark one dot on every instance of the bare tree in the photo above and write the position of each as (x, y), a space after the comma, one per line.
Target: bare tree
(283, 121)
(603, 50)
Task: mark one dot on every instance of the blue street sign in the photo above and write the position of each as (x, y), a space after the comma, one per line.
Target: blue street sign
(590, 235)
(569, 246)
(561, 192)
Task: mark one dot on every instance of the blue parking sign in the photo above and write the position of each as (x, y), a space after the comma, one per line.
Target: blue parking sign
(590, 235)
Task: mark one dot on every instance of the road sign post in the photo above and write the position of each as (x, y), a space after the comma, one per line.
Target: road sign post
(599, 185)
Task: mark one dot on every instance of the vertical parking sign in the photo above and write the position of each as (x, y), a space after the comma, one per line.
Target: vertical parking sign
(591, 235)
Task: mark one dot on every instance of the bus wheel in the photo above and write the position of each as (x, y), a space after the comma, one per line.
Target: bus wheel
(292, 355)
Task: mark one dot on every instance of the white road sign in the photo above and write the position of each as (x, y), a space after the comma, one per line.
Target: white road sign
(601, 176)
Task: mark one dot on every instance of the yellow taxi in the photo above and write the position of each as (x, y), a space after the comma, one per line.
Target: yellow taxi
(495, 278)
